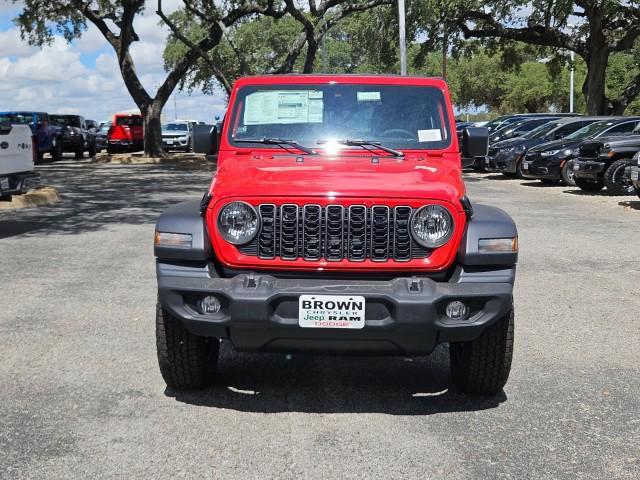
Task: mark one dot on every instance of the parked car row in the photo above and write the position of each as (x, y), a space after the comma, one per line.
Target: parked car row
(55, 134)
(589, 152)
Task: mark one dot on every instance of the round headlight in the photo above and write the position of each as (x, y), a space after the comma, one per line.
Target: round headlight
(432, 226)
(238, 223)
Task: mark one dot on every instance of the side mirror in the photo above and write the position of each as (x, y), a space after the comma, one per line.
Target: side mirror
(475, 142)
(205, 139)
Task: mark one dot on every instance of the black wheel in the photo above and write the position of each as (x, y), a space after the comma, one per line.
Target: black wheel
(6, 198)
(482, 366)
(111, 150)
(615, 180)
(79, 152)
(92, 150)
(588, 185)
(519, 172)
(187, 361)
(566, 172)
(56, 149)
(39, 156)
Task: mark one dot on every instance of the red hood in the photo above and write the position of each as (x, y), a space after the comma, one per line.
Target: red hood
(269, 175)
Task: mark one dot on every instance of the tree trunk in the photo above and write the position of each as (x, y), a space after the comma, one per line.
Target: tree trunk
(594, 85)
(153, 129)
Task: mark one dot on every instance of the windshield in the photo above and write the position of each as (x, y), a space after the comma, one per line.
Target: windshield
(65, 120)
(411, 117)
(542, 130)
(132, 121)
(589, 130)
(182, 127)
(22, 118)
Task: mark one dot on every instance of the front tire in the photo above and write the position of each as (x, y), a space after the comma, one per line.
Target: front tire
(482, 366)
(187, 361)
(614, 179)
(589, 185)
(56, 149)
(568, 178)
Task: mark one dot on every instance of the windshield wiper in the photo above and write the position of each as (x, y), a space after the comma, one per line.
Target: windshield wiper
(276, 141)
(365, 143)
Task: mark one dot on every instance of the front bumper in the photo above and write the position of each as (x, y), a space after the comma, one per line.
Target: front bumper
(633, 174)
(403, 316)
(535, 166)
(503, 162)
(591, 169)
(178, 143)
(17, 183)
(132, 145)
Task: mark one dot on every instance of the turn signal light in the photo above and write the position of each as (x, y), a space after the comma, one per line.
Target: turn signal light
(179, 240)
(493, 245)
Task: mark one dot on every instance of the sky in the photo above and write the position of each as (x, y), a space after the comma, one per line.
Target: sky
(83, 77)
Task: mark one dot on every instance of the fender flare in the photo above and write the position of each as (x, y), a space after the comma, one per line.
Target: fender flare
(487, 222)
(185, 217)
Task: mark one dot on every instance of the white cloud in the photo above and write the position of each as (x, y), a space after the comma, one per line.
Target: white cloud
(63, 78)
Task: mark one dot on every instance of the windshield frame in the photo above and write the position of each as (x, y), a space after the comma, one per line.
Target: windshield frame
(445, 125)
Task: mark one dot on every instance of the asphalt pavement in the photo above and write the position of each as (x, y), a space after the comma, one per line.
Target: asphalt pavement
(81, 395)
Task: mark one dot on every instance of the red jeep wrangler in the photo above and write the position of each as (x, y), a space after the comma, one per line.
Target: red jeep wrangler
(126, 133)
(337, 222)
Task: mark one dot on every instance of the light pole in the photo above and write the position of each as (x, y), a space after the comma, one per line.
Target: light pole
(403, 45)
(572, 72)
(571, 76)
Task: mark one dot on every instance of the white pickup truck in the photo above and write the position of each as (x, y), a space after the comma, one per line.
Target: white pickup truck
(16, 160)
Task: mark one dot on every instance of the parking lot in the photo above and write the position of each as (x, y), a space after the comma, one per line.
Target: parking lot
(82, 396)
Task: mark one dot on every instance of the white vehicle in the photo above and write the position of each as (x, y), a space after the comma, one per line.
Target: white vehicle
(17, 153)
(176, 135)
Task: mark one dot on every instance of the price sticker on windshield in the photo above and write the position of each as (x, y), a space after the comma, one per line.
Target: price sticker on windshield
(431, 135)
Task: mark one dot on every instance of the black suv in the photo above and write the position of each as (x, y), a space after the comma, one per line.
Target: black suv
(506, 156)
(76, 137)
(553, 161)
(603, 161)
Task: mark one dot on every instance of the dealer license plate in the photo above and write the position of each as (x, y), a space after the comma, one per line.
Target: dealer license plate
(525, 165)
(634, 176)
(576, 167)
(331, 311)
(4, 183)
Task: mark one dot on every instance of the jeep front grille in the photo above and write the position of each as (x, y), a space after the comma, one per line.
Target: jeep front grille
(335, 233)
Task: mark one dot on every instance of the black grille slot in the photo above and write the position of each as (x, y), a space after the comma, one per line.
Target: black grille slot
(333, 249)
(402, 237)
(357, 233)
(311, 232)
(268, 234)
(379, 233)
(289, 232)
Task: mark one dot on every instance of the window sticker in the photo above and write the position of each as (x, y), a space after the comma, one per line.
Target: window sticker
(283, 107)
(431, 135)
(368, 96)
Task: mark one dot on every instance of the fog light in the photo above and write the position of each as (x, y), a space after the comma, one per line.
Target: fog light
(457, 310)
(210, 304)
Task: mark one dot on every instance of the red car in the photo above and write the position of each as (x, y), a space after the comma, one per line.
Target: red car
(126, 133)
(338, 222)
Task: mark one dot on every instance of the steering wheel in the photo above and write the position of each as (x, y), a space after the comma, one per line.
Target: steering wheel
(395, 131)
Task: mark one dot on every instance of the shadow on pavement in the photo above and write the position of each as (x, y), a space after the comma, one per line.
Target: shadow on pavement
(270, 383)
(95, 196)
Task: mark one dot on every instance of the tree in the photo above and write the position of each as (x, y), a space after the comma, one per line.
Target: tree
(114, 19)
(605, 27)
(289, 40)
